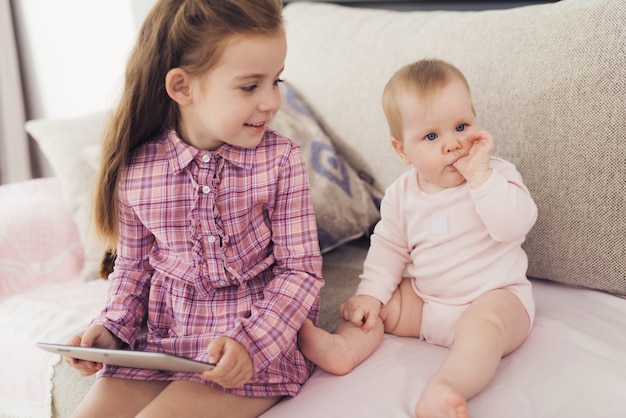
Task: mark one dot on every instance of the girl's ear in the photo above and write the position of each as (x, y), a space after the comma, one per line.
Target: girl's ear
(399, 148)
(177, 85)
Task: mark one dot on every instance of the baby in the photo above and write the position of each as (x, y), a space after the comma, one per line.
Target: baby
(454, 223)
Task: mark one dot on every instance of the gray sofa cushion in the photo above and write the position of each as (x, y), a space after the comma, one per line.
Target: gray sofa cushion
(549, 81)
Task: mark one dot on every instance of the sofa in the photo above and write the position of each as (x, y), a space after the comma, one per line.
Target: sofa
(548, 81)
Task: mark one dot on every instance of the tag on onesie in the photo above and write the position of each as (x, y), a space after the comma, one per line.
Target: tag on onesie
(439, 224)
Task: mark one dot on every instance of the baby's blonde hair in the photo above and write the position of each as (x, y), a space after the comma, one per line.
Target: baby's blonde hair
(423, 79)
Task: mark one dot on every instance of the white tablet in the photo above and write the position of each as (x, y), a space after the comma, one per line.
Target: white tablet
(129, 358)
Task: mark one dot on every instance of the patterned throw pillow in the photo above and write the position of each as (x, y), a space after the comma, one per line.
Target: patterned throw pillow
(346, 206)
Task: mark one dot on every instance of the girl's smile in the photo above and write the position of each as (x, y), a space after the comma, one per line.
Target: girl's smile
(256, 127)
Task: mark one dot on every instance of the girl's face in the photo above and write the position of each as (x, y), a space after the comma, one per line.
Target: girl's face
(236, 99)
(435, 135)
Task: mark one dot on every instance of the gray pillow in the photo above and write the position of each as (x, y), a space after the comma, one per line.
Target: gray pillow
(345, 205)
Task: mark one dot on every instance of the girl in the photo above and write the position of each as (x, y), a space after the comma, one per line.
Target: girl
(216, 237)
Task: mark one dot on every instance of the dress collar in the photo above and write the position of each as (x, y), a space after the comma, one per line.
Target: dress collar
(180, 154)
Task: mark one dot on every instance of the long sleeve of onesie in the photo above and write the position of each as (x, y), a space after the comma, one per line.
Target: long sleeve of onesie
(456, 244)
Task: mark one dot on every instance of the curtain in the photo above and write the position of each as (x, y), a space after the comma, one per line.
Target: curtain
(15, 162)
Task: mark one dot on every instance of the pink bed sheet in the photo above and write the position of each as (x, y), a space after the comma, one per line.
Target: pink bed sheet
(41, 294)
(573, 364)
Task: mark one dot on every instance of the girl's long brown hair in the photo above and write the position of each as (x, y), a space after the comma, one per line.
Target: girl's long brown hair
(189, 34)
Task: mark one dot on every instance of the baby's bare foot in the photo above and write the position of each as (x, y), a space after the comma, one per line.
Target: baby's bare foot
(440, 400)
(326, 350)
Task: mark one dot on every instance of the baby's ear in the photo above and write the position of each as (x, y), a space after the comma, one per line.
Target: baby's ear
(177, 85)
(398, 146)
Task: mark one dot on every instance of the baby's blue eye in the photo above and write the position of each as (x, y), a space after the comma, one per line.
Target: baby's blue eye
(431, 136)
(461, 127)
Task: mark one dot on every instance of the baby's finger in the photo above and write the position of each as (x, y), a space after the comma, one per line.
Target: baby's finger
(476, 136)
(358, 316)
(345, 311)
(482, 137)
(370, 322)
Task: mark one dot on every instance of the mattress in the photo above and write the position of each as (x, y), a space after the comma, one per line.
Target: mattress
(573, 364)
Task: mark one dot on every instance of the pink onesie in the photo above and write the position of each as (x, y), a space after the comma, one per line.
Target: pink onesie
(455, 245)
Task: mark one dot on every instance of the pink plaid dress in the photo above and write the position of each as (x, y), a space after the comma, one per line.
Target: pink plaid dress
(216, 243)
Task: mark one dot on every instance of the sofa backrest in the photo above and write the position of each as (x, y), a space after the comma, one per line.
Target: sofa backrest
(548, 81)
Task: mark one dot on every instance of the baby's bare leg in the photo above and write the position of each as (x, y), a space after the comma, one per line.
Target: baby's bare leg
(342, 351)
(493, 326)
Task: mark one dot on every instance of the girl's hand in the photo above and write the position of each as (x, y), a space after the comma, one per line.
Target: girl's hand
(94, 336)
(233, 363)
(361, 310)
(475, 166)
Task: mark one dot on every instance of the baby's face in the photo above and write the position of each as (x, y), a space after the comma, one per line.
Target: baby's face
(435, 135)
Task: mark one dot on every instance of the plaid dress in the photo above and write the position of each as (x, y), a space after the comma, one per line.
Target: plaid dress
(216, 243)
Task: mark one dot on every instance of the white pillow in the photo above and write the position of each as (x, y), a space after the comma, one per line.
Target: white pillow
(65, 142)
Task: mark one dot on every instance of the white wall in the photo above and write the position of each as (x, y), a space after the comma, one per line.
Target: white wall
(74, 53)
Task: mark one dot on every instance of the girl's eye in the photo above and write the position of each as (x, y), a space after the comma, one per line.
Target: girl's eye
(249, 88)
(461, 127)
(431, 136)
(278, 81)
